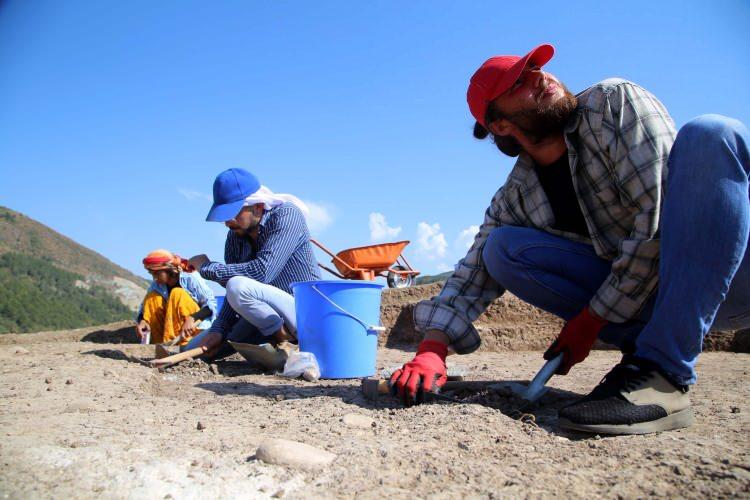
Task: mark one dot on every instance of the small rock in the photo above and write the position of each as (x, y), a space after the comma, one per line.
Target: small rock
(463, 446)
(213, 368)
(21, 350)
(47, 380)
(735, 409)
(360, 421)
(278, 494)
(69, 382)
(293, 454)
(49, 388)
(279, 397)
(200, 426)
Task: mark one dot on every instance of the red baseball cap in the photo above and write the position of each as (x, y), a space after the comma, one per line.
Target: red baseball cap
(498, 74)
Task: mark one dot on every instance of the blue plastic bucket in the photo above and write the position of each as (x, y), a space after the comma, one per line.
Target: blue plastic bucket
(339, 322)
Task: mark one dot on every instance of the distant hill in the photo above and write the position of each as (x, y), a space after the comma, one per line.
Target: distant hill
(426, 280)
(30, 255)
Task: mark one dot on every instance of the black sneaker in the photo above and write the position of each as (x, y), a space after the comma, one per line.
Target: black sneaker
(633, 398)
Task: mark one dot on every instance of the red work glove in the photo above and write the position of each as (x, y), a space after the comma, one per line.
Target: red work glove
(575, 340)
(426, 372)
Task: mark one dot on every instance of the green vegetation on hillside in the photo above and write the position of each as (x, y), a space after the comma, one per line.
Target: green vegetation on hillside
(425, 280)
(35, 296)
(20, 234)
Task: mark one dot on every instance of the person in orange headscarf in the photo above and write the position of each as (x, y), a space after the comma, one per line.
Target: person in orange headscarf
(179, 303)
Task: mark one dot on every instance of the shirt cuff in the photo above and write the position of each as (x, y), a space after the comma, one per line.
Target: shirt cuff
(208, 270)
(431, 315)
(613, 305)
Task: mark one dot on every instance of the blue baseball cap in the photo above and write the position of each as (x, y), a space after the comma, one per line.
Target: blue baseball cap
(231, 187)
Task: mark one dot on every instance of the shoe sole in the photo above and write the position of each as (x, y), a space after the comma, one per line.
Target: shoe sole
(678, 420)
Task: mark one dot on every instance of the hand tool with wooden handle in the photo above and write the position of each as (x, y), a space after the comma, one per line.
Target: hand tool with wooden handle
(373, 388)
(177, 358)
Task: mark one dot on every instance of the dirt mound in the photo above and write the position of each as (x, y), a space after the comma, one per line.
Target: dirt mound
(509, 324)
(120, 332)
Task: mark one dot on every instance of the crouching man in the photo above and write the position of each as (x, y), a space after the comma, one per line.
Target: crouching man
(611, 220)
(267, 249)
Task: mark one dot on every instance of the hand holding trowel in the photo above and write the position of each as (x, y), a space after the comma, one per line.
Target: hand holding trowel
(571, 346)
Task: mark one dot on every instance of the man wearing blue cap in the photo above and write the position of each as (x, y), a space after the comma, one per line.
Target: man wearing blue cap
(267, 249)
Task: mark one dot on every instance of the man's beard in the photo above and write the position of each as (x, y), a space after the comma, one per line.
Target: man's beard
(546, 120)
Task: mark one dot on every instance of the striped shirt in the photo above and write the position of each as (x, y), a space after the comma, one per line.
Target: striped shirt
(618, 141)
(283, 256)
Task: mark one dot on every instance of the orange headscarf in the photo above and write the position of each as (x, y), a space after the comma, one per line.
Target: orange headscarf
(164, 259)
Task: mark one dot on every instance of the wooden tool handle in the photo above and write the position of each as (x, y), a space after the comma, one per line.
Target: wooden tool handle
(451, 385)
(176, 358)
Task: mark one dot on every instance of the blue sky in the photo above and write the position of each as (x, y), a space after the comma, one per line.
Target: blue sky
(116, 116)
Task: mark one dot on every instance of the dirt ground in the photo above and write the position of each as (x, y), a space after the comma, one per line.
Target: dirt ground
(80, 420)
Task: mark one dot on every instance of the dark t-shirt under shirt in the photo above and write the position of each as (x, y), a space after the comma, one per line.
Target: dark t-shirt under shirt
(558, 186)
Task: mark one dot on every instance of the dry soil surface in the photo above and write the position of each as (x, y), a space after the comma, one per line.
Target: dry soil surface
(80, 420)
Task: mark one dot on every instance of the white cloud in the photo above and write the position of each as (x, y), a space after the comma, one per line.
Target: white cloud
(191, 195)
(379, 229)
(431, 242)
(466, 237)
(320, 216)
(443, 267)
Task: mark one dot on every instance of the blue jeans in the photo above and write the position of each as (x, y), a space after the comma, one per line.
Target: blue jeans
(263, 310)
(704, 269)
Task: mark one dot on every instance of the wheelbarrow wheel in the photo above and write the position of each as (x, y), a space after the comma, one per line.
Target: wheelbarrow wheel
(396, 280)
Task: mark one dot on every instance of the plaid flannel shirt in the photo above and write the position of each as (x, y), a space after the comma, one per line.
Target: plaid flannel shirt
(618, 141)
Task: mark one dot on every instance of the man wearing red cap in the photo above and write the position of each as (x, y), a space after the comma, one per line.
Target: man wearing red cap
(602, 222)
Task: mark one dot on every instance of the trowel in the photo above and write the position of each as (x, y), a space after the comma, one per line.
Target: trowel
(532, 392)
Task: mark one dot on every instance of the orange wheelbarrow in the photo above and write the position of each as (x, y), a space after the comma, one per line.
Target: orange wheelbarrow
(366, 263)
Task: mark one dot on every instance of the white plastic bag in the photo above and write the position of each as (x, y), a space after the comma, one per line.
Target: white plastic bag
(302, 363)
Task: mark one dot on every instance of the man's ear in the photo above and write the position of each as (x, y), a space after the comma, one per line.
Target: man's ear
(501, 127)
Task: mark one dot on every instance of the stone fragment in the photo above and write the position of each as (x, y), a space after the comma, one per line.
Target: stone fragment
(200, 426)
(293, 454)
(21, 350)
(357, 420)
(47, 380)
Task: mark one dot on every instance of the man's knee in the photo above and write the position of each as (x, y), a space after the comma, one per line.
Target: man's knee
(239, 288)
(498, 252)
(710, 129)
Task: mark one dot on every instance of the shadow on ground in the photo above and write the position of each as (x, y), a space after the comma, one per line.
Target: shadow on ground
(124, 335)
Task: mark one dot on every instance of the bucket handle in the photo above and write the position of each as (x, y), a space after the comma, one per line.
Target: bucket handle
(370, 328)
